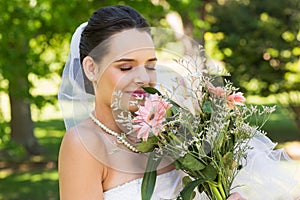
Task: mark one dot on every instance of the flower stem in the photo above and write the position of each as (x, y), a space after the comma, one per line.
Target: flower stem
(220, 186)
(175, 139)
(222, 191)
(215, 191)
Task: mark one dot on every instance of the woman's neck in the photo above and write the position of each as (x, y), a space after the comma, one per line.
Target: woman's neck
(104, 114)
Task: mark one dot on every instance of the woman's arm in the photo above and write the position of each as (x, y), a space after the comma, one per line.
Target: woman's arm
(80, 175)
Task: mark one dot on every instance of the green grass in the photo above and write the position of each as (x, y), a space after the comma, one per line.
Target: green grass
(36, 177)
(49, 134)
(39, 184)
(280, 128)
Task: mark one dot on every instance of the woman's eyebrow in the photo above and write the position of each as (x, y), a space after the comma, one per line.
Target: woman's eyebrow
(124, 60)
(132, 60)
(152, 59)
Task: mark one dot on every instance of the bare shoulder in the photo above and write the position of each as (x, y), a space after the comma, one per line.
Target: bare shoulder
(82, 137)
(72, 145)
(76, 166)
(71, 139)
(76, 143)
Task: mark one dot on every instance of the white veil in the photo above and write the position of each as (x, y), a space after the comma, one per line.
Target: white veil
(72, 94)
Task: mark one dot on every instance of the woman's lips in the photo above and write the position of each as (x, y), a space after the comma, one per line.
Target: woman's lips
(139, 93)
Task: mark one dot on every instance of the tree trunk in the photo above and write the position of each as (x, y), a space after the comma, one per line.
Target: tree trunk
(21, 124)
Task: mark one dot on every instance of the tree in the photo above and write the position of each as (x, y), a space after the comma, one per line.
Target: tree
(34, 38)
(29, 37)
(193, 16)
(260, 46)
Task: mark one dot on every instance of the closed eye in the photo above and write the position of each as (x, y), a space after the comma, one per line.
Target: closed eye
(150, 67)
(126, 67)
(151, 64)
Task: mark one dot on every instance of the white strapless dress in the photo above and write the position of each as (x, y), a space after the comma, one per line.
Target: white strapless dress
(167, 186)
(268, 174)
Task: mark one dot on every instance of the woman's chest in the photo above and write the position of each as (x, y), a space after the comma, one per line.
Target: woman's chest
(113, 178)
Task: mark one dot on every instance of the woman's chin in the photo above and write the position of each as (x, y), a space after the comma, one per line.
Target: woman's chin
(131, 103)
(133, 109)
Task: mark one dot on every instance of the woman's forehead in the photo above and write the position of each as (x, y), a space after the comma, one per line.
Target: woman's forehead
(130, 44)
(132, 40)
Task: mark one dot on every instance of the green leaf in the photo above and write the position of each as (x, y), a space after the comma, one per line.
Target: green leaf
(174, 108)
(207, 108)
(177, 164)
(169, 113)
(147, 146)
(148, 185)
(228, 159)
(152, 90)
(149, 178)
(191, 163)
(209, 172)
(186, 180)
(188, 190)
(173, 103)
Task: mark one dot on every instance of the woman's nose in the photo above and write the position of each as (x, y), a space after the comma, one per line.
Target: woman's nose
(142, 77)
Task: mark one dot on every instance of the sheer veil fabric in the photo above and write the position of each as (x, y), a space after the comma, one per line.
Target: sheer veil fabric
(268, 173)
(265, 174)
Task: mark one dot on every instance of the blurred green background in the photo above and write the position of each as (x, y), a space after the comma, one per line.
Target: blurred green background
(258, 42)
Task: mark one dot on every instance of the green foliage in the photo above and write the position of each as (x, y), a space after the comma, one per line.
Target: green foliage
(192, 14)
(8, 149)
(261, 40)
(35, 37)
(32, 40)
(34, 177)
(189, 162)
(187, 193)
(207, 108)
(149, 145)
(150, 174)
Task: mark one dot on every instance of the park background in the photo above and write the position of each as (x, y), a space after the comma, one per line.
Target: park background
(258, 42)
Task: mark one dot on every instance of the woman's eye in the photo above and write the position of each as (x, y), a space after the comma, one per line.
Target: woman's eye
(126, 67)
(150, 67)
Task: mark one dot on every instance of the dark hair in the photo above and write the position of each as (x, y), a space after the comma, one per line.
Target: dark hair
(104, 23)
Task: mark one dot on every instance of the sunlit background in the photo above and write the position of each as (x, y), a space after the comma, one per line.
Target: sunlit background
(258, 42)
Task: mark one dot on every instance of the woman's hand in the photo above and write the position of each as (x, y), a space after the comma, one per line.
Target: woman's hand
(235, 196)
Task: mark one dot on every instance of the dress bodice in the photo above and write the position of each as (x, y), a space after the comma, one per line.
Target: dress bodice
(267, 174)
(168, 186)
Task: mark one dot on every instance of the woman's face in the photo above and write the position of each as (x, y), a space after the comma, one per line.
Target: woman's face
(129, 66)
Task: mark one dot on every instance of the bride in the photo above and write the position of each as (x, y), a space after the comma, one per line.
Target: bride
(94, 163)
(113, 51)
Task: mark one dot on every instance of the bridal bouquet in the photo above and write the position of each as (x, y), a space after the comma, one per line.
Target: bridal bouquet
(202, 127)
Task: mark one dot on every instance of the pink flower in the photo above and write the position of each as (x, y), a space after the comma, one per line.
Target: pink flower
(150, 117)
(218, 91)
(235, 99)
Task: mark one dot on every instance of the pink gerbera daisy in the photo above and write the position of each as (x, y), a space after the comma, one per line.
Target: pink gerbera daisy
(150, 117)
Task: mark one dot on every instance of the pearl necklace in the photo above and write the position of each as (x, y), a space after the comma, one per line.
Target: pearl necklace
(121, 137)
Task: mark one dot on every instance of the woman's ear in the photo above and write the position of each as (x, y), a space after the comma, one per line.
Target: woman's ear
(89, 67)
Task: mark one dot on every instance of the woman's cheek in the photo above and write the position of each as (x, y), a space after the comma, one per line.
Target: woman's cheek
(153, 79)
